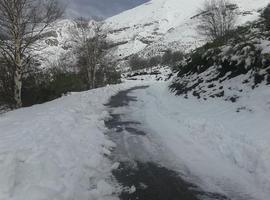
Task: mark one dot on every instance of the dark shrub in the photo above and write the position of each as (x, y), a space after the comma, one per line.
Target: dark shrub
(167, 57)
(266, 16)
(154, 61)
(107, 74)
(6, 82)
(172, 58)
(49, 85)
(137, 62)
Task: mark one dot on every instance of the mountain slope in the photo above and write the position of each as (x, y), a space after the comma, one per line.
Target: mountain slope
(148, 29)
(59, 43)
(162, 24)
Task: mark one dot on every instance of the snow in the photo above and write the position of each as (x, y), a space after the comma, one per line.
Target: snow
(167, 24)
(148, 29)
(57, 150)
(212, 144)
(65, 37)
(51, 54)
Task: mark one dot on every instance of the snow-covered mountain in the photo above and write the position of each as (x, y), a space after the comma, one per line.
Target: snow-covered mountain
(161, 24)
(148, 29)
(59, 42)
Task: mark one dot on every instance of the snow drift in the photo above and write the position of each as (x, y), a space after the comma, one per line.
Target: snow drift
(211, 143)
(56, 150)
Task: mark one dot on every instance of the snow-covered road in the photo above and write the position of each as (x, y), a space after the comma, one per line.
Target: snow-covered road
(142, 159)
(59, 150)
(220, 146)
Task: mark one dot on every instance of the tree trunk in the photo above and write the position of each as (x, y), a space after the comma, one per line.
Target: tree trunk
(89, 77)
(18, 87)
(105, 78)
(18, 78)
(94, 78)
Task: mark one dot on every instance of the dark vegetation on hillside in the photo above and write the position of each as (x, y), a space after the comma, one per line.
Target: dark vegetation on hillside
(169, 58)
(243, 52)
(40, 85)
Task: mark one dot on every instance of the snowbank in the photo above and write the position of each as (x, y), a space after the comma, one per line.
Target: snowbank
(222, 146)
(57, 150)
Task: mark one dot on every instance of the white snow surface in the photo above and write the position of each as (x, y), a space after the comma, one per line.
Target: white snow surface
(211, 144)
(56, 150)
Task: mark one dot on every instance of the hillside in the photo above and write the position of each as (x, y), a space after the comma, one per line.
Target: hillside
(59, 42)
(228, 70)
(159, 25)
(163, 24)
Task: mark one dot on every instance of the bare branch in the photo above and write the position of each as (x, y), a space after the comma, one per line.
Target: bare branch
(22, 23)
(217, 18)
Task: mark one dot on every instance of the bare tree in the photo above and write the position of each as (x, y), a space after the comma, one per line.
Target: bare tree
(22, 24)
(92, 48)
(217, 18)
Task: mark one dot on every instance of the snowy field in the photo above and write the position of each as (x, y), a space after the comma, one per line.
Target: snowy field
(57, 150)
(222, 146)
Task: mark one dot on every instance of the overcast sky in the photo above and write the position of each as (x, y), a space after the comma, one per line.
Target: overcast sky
(102, 8)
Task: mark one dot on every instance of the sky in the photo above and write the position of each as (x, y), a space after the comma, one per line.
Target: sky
(100, 8)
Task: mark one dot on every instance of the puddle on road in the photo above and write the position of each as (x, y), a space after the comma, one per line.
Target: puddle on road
(149, 180)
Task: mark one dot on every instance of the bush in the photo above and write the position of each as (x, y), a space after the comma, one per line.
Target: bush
(6, 82)
(169, 58)
(107, 74)
(137, 63)
(177, 56)
(266, 16)
(217, 18)
(172, 58)
(49, 85)
(154, 61)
